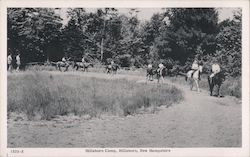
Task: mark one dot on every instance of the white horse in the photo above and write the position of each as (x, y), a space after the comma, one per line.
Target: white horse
(194, 78)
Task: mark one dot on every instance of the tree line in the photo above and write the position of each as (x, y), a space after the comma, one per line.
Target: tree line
(175, 37)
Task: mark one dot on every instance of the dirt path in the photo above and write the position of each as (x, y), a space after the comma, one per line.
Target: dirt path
(198, 121)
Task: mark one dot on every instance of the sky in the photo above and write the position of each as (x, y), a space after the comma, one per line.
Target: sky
(146, 13)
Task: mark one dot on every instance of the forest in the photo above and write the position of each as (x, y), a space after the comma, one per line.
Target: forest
(174, 37)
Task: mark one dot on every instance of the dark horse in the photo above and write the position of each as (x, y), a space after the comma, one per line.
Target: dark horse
(217, 80)
(112, 69)
(61, 64)
(150, 74)
(85, 66)
(160, 74)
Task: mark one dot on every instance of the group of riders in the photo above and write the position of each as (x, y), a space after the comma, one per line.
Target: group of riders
(113, 66)
(215, 68)
(193, 75)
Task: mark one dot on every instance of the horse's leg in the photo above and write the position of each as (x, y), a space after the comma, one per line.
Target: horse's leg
(197, 85)
(212, 88)
(191, 83)
(218, 90)
(162, 79)
(210, 85)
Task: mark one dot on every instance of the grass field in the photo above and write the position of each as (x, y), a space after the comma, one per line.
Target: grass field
(44, 95)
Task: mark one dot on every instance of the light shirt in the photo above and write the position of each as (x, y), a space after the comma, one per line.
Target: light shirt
(150, 66)
(83, 60)
(215, 68)
(161, 65)
(18, 59)
(63, 59)
(9, 59)
(195, 66)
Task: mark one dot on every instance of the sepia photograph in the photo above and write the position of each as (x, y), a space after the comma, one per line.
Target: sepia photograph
(121, 79)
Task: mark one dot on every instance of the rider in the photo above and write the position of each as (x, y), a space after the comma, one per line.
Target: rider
(64, 60)
(9, 61)
(195, 66)
(112, 63)
(83, 59)
(160, 68)
(215, 68)
(150, 66)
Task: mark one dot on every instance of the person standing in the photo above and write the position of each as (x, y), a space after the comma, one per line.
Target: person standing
(18, 62)
(9, 62)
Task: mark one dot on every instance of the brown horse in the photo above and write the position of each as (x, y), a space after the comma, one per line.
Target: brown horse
(61, 64)
(112, 68)
(217, 80)
(85, 66)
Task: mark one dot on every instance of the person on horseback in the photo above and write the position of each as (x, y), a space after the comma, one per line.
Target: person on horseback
(195, 65)
(83, 59)
(160, 72)
(63, 59)
(150, 72)
(215, 68)
(150, 66)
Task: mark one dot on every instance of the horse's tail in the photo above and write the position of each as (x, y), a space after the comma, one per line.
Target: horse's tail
(186, 78)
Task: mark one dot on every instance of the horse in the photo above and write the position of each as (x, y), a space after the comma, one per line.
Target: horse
(160, 74)
(217, 80)
(85, 66)
(194, 76)
(112, 69)
(150, 74)
(61, 64)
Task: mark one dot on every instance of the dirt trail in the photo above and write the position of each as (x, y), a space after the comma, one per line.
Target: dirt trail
(198, 121)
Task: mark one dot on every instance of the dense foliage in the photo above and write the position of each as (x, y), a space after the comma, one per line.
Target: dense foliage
(173, 37)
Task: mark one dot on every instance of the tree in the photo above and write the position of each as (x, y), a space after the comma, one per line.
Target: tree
(188, 29)
(33, 32)
(229, 44)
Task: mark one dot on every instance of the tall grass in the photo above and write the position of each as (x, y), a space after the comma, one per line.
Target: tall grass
(44, 95)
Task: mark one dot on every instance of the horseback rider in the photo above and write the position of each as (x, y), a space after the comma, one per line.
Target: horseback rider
(64, 60)
(195, 65)
(83, 59)
(160, 68)
(150, 66)
(215, 68)
(150, 72)
(160, 72)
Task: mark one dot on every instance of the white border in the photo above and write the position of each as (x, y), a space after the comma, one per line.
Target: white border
(244, 4)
